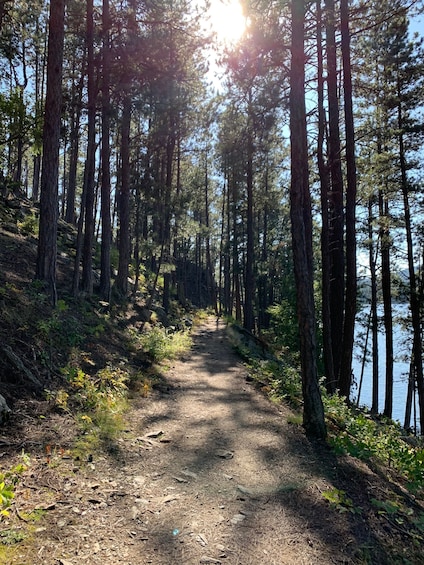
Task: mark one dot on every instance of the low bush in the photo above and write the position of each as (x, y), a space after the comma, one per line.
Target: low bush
(160, 345)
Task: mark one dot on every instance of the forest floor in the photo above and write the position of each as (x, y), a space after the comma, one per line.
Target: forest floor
(207, 470)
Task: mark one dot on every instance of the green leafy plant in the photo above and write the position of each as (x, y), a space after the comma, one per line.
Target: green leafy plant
(386, 507)
(357, 433)
(419, 522)
(6, 496)
(60, 329)
(8, 481)
(160, 345)
(276, 378)
(29, 225)
(101, 391)
(340, 501)
(284, 324)
(11, 537)
(34, 515)
(99, 401)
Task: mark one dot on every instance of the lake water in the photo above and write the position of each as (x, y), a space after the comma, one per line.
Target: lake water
(402, 355)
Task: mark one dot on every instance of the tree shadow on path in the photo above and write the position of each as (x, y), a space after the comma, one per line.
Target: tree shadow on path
(248, 486)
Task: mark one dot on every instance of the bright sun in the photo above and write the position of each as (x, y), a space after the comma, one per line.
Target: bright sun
(227, 19)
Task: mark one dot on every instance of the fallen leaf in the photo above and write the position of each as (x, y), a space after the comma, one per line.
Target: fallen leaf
(189, 474)
(170, 498)
(155, 434)
(237, 519)
(180, 480)
(224, 454)
(244, 490)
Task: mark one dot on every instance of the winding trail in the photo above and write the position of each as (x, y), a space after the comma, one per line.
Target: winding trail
(208, 471)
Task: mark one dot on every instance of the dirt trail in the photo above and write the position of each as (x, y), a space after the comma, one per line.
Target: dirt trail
(209, 471)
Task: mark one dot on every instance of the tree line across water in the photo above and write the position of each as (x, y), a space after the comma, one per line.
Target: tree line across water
(267, 198)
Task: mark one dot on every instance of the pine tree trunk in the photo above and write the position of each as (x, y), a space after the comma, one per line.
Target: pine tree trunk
(89, 172)
(301, 219)
(374, 312)
(336, 238)
(47, 241)
(414, 302)
(124, 202)
(105, 261)
(386, 285)
(228, 306)
(74, 139)
(330, 378)
(249, 283)
(345, 380)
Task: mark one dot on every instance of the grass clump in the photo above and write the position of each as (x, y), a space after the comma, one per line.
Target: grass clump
(159, 345)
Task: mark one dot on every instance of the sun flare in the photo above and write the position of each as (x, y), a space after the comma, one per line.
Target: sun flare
(227, 20)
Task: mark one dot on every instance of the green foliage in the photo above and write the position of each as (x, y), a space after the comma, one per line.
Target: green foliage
(29, 225)
(279, 380)
(340, 501)
(387, 506)
(284, 325)
(60, 329)
(34, 516)
(279, 377)
(399, 514)
(100, 401)
(11, 537)
(8, 481)
(104, 390)
(419, 522)
(6, 496)
(160, 345)
(357, 433)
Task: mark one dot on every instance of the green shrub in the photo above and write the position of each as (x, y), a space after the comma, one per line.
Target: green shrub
(29, 225)
(160, 345)
(357, 433)
(8, 481)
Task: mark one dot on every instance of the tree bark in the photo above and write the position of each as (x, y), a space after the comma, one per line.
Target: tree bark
(124, 202)
(345, 379)
(386, 284)
(330, 377)
(417, 348)
(249, 284)
(374, 313)
(74, 137)
(47, 241)
(89, 172)
(336, 220)
(105, 261)
(301, 220)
